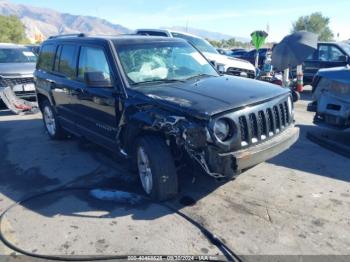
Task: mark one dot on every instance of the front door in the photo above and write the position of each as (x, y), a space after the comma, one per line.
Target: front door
(331, 56)
(326, 56)
(94, 99)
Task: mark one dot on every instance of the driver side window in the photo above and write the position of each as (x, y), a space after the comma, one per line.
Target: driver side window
(93, 60)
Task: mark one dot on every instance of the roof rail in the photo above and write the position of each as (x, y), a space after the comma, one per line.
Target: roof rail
(67, 35)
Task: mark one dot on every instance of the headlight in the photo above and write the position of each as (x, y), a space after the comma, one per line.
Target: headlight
(290, 106)
(221, 129)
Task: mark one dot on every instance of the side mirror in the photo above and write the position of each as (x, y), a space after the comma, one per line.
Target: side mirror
(97, 79)
(221, 68)
(344, 58)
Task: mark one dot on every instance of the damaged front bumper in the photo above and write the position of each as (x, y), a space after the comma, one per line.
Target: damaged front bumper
(232, 163)
(333, 111)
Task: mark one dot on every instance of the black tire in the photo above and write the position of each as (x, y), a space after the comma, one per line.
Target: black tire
(163, 171)
(58, 133)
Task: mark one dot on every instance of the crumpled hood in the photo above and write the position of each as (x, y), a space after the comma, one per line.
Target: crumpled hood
(212, 95)
(229, 61)
(17, 69)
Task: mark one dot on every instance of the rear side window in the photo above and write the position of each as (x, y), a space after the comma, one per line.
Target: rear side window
(67, 61)
(47, 55)
(93, 60)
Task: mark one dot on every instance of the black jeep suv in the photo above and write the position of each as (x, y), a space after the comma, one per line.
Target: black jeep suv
(159, 102)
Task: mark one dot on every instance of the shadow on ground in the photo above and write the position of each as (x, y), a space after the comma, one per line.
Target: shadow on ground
(299, 159)
(88, 165)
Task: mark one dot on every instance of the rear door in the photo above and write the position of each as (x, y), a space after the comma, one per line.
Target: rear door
(62, 83)
(96, 103)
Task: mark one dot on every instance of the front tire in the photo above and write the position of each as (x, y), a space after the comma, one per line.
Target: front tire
(156, 168)
(51, 122)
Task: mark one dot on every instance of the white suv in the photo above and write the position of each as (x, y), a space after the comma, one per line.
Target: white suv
(232, 66)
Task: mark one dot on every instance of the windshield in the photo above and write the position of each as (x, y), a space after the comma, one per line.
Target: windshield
(201, 44)
(164, 61)
(17, 55)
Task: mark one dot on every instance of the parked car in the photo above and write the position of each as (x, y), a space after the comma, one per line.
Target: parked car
(160, 103)
(222, 51)
(17, 65)
(251, 55)
(238, 53)
(34, 48)
(237, 49)
(231, 66)
(328, 54)
(331, 97)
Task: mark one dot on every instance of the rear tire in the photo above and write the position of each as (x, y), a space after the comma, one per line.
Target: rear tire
(51, 121)
(156, 168)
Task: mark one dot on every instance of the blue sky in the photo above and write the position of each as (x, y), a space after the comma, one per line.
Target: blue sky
(231, 17)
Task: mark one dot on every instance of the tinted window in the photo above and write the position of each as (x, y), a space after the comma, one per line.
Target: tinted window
(335, 54)
(46, 57)
(323, 53)
(153, 33)
(313, 56)
(67, 63)
(93, 60)
(57, 58)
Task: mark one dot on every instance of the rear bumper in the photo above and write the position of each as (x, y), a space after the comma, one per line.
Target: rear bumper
(229, 164)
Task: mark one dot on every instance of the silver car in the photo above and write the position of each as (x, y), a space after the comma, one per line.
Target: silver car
(17, 65)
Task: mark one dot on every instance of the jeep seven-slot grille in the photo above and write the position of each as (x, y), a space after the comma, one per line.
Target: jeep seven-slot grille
(16, 81)
(258, 126)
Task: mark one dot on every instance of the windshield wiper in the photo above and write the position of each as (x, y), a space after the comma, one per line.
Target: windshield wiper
(158, 81)
(199, 76)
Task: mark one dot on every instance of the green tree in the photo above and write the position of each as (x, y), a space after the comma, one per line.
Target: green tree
(316, 23)
(12, 30)
(215, 43)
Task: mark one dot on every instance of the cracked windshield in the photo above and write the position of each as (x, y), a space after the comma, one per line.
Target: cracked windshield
(163, 61)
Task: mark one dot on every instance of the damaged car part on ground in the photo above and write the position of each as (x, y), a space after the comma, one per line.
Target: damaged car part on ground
(159, 102)
(331, 98)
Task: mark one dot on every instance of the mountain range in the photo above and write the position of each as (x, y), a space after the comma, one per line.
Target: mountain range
(45, 22)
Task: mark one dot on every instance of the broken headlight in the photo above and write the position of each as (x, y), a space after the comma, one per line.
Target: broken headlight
(221, 129)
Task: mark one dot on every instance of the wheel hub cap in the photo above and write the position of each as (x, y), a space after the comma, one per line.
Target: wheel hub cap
(145, 171)
(49, 121)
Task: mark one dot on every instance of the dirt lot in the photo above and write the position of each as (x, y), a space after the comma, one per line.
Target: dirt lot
(296, 203)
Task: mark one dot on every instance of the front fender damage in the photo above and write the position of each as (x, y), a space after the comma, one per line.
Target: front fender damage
(182, 134)
(189, 135)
